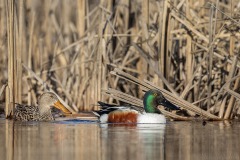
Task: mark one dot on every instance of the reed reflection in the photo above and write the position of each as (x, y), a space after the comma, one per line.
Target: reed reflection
(44, 140)
(192, 140)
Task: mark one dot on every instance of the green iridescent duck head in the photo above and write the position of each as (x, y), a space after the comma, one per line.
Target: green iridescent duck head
(153, 98)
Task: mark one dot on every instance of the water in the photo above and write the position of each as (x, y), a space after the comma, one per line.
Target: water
(86, 140)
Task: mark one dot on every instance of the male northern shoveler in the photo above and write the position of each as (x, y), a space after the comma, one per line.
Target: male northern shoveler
(133, 114)
(42, 112)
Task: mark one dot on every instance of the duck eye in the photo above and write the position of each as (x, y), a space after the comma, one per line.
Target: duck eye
(155, 94)
(51, 96)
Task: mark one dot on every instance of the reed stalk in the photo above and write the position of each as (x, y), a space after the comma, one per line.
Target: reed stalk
(11, 88)
(210, 57)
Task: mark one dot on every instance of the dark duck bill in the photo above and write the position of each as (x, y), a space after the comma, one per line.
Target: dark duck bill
(153, 98)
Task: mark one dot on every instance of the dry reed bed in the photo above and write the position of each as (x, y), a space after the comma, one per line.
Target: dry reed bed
(187, 49)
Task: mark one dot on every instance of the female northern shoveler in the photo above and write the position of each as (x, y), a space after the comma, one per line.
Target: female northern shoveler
(133, 114)
(40, 112)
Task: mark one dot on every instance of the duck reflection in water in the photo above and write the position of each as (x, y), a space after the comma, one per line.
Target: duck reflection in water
(138, 141)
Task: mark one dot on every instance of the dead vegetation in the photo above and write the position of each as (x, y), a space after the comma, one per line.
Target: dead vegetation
(188, 49)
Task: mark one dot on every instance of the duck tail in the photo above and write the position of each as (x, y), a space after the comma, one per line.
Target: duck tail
(96, 113)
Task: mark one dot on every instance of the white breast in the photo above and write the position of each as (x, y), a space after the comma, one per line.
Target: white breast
(151, 118)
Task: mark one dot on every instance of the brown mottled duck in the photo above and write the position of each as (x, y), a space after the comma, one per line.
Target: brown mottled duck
(42, 112)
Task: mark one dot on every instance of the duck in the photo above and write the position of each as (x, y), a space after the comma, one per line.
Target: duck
(109, 113)
(42, 112)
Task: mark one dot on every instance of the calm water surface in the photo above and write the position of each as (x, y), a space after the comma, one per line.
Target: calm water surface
(86, 140)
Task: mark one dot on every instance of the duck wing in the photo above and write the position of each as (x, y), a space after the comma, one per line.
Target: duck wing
(26, 113)
(107, 108)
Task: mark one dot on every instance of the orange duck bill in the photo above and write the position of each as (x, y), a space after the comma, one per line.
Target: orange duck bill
(60, 106)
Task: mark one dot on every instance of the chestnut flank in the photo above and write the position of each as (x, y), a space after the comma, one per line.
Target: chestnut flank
(122, 117)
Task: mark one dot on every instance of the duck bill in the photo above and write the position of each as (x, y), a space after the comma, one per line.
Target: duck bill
(169, 105)
(60, 106)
